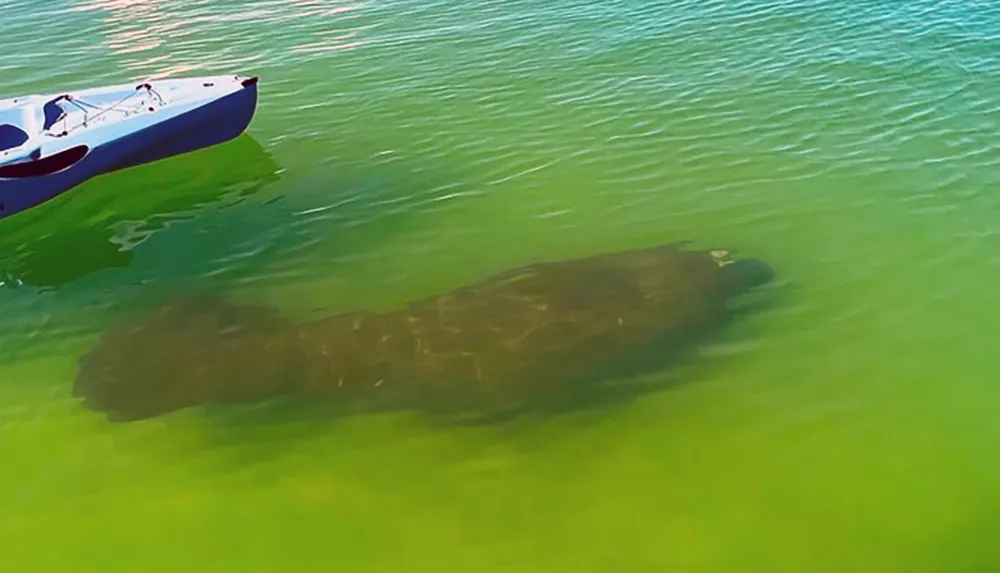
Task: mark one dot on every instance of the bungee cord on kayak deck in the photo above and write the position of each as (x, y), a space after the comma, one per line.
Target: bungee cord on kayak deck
(54, 113)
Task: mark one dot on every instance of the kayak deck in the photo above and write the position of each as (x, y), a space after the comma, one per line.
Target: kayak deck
(51, 143)
(27, 121)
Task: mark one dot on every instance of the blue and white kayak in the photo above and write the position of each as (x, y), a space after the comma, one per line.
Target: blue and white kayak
(52, 143)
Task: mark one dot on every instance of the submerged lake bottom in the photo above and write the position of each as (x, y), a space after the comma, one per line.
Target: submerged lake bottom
(834, 422)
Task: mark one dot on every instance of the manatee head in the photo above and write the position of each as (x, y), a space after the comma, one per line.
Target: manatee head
(741, 276)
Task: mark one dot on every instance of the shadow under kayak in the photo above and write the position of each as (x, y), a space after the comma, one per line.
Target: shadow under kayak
(49, 144)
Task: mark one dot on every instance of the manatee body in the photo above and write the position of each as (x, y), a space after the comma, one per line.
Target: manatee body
(513, 340)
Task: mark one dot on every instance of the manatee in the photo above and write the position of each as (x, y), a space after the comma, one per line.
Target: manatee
(512, 341)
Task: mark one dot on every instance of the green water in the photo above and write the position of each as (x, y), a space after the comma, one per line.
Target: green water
(403, 148)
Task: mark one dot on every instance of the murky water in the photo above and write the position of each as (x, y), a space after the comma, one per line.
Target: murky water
(404, 148)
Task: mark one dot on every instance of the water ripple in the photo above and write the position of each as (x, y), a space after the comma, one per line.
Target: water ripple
(749, 119)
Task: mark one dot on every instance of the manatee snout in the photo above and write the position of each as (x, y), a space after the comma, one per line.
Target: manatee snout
(747, 274)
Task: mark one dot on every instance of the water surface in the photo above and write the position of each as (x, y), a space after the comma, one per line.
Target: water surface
(403, 148)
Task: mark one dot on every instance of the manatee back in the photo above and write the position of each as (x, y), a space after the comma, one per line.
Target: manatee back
(526, 333)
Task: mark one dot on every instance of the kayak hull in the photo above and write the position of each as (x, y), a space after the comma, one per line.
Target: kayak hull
(165, 129)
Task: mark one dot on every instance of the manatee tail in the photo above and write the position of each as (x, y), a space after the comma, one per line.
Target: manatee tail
(189, 352)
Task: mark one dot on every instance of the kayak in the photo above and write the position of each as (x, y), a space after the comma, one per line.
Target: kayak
(52, 143)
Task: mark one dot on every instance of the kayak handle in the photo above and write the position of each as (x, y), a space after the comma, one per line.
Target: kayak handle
(46, 165)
